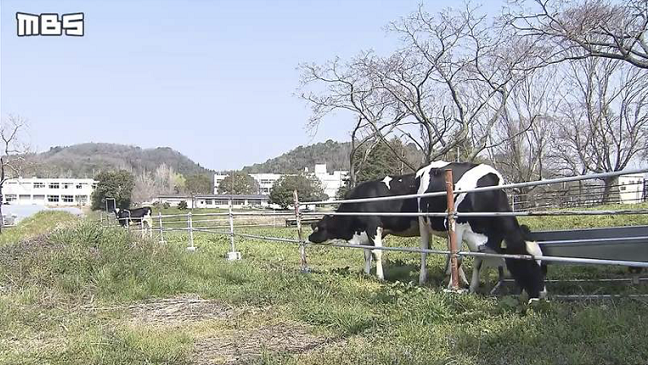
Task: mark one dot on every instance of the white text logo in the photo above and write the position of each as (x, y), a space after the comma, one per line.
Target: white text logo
(49, 24)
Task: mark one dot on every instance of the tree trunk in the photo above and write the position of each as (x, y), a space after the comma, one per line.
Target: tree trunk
(610, 191)
(1, 216)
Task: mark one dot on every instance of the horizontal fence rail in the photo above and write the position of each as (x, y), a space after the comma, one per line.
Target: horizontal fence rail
(487, 214)
(481, 189)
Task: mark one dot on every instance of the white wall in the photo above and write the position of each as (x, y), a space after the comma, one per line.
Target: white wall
(51, 192)
(631, 189)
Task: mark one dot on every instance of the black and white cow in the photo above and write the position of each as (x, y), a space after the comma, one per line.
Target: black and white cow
(370, 230)
(481, 234)
(135, 215)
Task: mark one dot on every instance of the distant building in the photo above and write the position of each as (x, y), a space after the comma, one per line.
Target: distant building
(331, 183)
(631, 188)
(48, 192)
(265, 181)
(216, 200)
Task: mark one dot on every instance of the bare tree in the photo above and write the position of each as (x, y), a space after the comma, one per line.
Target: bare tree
(149, 185)
(604, 118)
(444, 90)
(527, 130)
(569, 30)
(351, 87)
(14, 149)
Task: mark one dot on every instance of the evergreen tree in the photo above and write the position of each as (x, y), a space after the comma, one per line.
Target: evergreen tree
(308, 188)
(238, 183)
(118, 185)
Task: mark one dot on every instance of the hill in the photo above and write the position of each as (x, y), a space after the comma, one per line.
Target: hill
(88, 159)
(334, 154)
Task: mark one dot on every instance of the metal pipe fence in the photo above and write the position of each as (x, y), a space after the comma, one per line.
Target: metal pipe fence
(481, 189)
(202, 225)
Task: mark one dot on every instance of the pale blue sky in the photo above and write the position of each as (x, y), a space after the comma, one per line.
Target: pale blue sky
(214, 80)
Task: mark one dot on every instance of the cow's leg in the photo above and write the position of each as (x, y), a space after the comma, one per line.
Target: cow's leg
(425, 239)
(377, 240)
(367, 256)
(476, 243)
(500, 278)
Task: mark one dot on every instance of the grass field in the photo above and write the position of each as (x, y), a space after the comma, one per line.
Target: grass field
(73, 292)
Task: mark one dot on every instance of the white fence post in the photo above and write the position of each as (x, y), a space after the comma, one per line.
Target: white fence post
(161, 229)
(191, 237)
(302, 247)
(232, 255)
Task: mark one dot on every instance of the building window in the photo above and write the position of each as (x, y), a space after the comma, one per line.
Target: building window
(39, 197)
(10, 198)
(221, 202)
(54, 186)
(39, 185)
(209, 202)
(82, 199)
(623, 188)
(53, 198)
(68, 199)
(67, 185)
(24, 197)
(238, 202)
(25, 184)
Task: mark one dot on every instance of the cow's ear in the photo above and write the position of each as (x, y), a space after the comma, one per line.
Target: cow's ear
(313, 226)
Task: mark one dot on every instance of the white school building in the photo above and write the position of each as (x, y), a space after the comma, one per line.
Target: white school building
(49, 192)
(331, 183)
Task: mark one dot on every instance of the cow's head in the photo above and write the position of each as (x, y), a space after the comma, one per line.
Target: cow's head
(528, 274)
(330, 227)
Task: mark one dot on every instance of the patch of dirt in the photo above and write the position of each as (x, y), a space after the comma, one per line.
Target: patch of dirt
(179, 310)
(243, 346)
(228, 346)
(231, 346)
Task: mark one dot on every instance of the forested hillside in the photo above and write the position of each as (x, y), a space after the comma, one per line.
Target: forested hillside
(334, 154)
(88, 159)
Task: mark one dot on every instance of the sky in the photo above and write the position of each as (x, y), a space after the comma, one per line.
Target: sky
(215, 80)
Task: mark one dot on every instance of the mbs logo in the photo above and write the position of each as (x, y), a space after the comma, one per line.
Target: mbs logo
(49, 24)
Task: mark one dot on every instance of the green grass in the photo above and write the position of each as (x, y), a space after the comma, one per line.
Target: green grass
(65, 299)
(39, 223)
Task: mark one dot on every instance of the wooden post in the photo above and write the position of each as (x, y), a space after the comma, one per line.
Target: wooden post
(191, 238)
(232, 255)
(161, 229)
(302, 247)
(454, 271)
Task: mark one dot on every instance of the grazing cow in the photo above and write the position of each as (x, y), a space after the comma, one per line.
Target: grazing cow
(480, 233)
(136, 215)
(370, 230)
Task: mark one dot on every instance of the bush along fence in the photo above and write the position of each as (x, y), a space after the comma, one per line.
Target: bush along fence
(224, 224)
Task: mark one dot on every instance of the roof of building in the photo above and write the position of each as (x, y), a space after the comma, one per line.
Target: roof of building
(216, 196)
